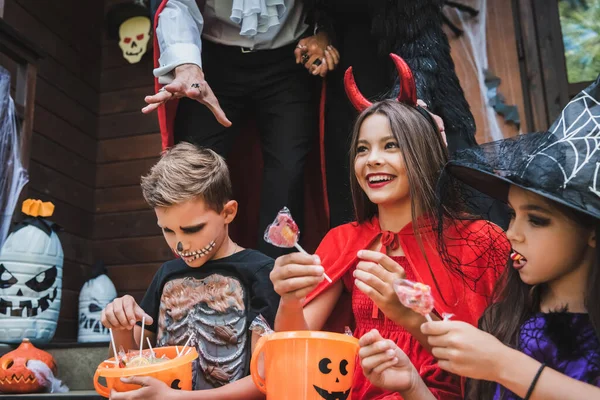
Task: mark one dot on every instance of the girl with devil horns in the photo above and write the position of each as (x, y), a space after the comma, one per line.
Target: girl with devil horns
(541, 337)
(397, 154)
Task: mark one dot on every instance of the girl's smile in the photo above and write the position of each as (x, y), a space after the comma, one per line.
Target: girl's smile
(379, 180)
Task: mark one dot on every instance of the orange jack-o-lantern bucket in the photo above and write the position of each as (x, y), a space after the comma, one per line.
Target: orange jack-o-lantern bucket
(176, 373)
(305, 365)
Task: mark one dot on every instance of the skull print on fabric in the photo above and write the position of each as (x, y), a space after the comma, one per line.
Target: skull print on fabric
(134, 35)
(212, 311)
(31, 262)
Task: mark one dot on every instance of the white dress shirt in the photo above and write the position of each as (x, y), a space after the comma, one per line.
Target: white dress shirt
(253, 24)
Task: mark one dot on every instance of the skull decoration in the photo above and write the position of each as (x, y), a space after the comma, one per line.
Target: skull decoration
(94, 296)
(31, 262)
(15, 377)
(134, 34)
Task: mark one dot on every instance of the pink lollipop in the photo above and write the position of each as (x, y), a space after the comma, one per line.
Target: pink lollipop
(284, 232)
(416, 296)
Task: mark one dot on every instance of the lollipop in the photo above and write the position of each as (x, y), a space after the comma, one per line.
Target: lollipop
(284, 232)
(416, 296)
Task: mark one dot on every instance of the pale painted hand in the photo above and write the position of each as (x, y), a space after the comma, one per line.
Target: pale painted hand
(189, 82)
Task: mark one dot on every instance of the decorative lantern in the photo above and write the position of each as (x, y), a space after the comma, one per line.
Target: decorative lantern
(93, 298)
(31, 262)
(130, 23)
(15, 377)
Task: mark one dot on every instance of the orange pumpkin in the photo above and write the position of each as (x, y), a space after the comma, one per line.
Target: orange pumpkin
(14, 375)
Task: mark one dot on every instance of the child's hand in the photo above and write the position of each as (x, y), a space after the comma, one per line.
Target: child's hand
(374, 276)
(123, 313)
(464, 350)
(385, 365)
(151, 389)
(295, 275)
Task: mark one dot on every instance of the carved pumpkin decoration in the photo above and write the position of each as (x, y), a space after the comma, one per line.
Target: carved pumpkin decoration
(335, 383)
(15, 377)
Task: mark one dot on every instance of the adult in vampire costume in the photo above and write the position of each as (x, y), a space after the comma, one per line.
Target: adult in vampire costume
(247, 56)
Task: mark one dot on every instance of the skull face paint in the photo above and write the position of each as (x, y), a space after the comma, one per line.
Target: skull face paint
(191, 256)
(134, 35)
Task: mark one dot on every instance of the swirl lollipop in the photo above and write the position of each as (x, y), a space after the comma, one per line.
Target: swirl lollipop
(416, 296)
(284, 232)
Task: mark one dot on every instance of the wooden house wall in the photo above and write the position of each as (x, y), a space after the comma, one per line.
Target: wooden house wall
(63, 148)
(125, 233)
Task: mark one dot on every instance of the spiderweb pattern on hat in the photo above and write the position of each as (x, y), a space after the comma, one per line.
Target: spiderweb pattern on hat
(561, 164)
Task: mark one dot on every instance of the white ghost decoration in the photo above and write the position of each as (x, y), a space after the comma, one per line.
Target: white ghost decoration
(31, 268)
(134, 35)
(93, 298)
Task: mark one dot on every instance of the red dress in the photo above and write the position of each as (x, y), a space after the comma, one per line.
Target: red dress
(442, 384)
(478, 249)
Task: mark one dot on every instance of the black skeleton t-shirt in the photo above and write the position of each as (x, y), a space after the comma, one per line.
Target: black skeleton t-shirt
(214, 305)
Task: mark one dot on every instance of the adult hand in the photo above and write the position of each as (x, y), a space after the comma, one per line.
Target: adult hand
(122, 314)
(189, 82)
(374, 276)
(295, 275)
(464, 350)
(316, 54)
(152, 389)
(438, 120)
(385, 365)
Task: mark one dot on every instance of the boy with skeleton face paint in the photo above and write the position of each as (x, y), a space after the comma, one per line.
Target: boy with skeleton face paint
(211, 293)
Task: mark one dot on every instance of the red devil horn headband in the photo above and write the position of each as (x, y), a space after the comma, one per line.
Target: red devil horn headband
(408, 89)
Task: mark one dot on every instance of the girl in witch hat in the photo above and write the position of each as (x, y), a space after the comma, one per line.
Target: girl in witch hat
(540, 338)
(397, 154)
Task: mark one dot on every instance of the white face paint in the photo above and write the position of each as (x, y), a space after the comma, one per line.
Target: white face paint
(30, 285)
(134, 35)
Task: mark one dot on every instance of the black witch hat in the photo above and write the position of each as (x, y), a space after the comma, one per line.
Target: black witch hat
(561, 164)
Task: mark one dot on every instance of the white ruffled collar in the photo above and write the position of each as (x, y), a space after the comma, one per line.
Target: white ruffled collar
(257, 16)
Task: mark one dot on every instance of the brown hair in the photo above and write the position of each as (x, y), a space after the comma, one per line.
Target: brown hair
(423, 151)
(186, 172)
(514, 302)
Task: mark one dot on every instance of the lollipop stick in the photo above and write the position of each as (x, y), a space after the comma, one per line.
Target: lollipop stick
(428, 318)
(177, 350)
(142, 334)
(112, 340)
(150, 346)
(186, 343)
(301, 250)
